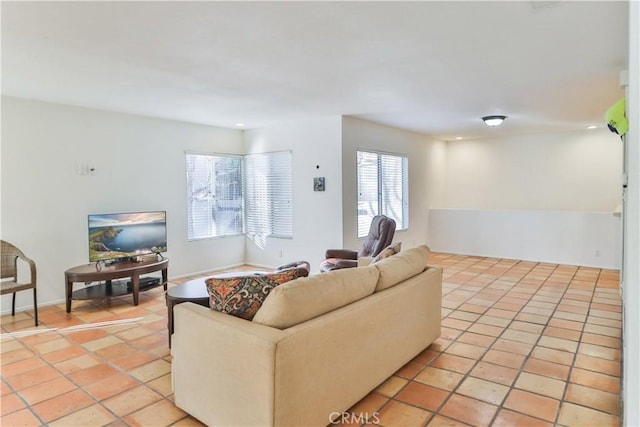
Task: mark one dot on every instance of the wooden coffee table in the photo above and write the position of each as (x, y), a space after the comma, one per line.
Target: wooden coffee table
(195, 291)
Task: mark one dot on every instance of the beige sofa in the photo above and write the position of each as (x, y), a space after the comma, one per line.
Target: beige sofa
(316, 346)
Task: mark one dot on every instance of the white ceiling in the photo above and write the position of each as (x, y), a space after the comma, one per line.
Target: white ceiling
(431, 67)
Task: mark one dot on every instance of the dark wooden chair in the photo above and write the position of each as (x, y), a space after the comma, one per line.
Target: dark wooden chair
(9, 256)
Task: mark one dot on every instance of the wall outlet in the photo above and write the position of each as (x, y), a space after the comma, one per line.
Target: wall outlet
(86, 169)
(598, 253)
(280, 253)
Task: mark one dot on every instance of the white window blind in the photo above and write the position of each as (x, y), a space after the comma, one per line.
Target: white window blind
(214, 195)
(268, 195)
(383, 189)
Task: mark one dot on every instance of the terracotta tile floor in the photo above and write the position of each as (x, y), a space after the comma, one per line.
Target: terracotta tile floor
(522, 344)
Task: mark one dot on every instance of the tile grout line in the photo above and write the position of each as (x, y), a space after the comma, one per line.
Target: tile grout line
(526, 281)
(576, 353)
(545, 326)
(33, 350)
(449, 392)
(520, 370)
(467, 374)
(528, 355)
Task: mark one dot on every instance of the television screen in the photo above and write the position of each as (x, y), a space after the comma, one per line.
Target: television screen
(125, 235)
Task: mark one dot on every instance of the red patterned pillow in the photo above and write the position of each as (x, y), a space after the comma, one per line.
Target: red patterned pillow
(242, 296)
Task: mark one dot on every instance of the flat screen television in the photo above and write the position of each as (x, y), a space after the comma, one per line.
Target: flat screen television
(126, 235)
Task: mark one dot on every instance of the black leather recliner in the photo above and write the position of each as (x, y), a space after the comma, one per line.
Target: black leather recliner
(380, 236)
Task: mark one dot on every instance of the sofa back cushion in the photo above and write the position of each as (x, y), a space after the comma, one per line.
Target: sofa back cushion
(308, 297)
(242, 295)
(401, 266)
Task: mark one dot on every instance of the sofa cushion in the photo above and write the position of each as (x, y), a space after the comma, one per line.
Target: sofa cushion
(397, 268)
(309, 297)
(387, 252)
(242, 296)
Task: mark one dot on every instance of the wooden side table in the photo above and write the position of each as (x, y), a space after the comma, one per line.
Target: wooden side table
(192, 291)
(95, 272)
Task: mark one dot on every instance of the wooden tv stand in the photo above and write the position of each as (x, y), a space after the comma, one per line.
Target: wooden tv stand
(97, 272)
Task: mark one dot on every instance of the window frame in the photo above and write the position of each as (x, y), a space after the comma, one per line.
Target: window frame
(212, 183)
(401, 225)
(272, 203)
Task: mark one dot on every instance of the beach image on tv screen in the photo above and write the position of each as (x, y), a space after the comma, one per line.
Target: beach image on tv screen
(124, 235)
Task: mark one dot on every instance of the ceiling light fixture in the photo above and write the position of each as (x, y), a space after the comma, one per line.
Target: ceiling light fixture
(239, 125)
(493, 120)
(592, 127)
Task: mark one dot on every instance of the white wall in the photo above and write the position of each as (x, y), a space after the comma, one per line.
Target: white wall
(538, 197)
(570, 171)
(317, 216)
(631, 271)
(589, 239)
(324, 220)
(139, 165)
(425, 175)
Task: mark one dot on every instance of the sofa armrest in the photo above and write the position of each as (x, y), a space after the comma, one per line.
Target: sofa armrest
(364, 261)
(220, 360)
(345, 263)
(341, 254)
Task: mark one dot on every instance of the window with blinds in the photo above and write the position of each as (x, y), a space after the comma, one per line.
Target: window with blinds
(214, 195)
(268, 195)
(383, 189)
(222, 200)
